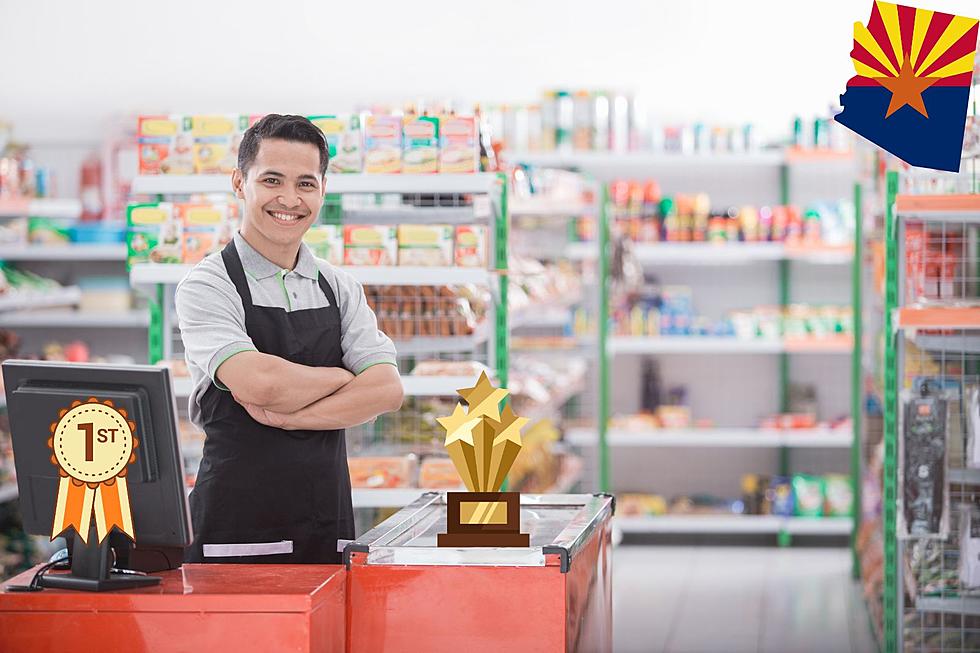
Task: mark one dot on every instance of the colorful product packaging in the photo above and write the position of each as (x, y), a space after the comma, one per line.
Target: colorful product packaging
(165, 146)
(420, 140)
(838, 495)
(459, 149)
(809, 493)
(382, 144)
(343, 135)
(154, 234)
(216, 142)
(426, 245)
(780, 497)
(326, 241)
(206, 229)
(370, 245)
(471, 246)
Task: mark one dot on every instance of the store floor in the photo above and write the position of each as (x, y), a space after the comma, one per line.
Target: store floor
(708, 599)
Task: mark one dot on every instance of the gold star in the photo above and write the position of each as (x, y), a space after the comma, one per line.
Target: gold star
(457, 425)
(906, 89)
(483, 398)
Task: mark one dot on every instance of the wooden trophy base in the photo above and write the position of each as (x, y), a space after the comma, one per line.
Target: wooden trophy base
(483, 519)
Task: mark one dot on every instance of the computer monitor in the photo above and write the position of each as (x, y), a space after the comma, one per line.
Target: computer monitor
(37, 391)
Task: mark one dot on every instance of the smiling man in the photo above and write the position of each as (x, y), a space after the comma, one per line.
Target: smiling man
(284, 354)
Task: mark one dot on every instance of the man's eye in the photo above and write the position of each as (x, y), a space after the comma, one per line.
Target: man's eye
(308, 184)
(270, 180)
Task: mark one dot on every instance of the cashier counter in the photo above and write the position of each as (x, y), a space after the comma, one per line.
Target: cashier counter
(397, 591)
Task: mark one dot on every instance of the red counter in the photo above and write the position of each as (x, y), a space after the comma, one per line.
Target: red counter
(198, 608)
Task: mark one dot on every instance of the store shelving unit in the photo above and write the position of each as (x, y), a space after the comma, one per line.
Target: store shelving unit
(488, 344)
(74, 319)
(932, 327)
(45, 207)
(735, 525)
(775, 165)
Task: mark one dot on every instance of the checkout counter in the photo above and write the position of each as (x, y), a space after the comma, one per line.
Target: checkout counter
(397, 592)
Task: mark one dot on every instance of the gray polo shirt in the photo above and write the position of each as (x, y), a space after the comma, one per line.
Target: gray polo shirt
(212, 319)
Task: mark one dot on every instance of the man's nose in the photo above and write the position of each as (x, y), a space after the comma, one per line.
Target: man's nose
(289, 200)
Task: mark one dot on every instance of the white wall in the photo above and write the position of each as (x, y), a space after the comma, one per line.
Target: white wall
(69, 66)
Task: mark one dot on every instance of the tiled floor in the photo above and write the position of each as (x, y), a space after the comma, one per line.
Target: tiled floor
(734, 599)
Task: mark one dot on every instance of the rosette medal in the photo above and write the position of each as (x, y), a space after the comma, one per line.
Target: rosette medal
(483, 442)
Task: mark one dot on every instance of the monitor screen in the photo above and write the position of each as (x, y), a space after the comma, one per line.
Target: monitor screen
(37, 391)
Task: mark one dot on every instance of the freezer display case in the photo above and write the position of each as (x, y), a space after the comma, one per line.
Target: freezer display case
(408, 594)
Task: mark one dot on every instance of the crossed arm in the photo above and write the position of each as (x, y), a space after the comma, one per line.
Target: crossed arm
(290, 396)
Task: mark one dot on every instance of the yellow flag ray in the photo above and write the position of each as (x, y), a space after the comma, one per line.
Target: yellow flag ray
(867, 41)
(957, 27)
(864, 70)
(889, 17)
(962, 65)
(923, 17)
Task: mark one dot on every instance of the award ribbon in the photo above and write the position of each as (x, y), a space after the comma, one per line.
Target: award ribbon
(92, 444)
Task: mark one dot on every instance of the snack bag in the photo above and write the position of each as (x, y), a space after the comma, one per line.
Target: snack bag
(428, 245)
(809, 492)
(471, 246)
(165, 146)
(343, 135)
(326, 241)
(421, 144)
(838, 496)
(215, 141)
(383, 144)
(780, 497)
(202, 226)
(370, 245)
(154, 234)
(459, 149)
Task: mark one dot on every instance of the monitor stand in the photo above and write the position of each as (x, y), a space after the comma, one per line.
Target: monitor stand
(91, 569)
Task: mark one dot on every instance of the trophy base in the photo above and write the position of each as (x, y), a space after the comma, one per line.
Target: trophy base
(489, 519)
(457, 540)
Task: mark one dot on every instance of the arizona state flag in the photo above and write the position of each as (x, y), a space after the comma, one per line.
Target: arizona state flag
(914, 69)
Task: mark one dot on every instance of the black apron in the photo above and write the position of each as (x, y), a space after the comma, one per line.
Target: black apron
(274, 496)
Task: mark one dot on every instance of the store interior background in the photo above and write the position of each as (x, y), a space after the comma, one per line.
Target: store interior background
(87, 69)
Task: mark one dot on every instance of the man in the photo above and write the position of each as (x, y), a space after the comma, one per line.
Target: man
(285, 354)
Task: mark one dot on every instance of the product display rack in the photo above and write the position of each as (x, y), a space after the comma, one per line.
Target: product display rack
(932, 325)
(719, 255)
(491, 336)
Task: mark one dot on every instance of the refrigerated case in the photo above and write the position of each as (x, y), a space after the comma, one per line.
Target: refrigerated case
(407, 594)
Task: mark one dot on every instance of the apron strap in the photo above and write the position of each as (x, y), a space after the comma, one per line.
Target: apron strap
(327, 290)
(233, 265)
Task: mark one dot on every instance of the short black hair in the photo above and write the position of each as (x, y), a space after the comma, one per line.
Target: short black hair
(288, 128)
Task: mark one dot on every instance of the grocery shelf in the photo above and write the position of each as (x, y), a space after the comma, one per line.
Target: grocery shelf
(75, 319)
(561, 397)
(20, 300)
(41, 207)
(445, 344)
(716, 438)
(691, 345)
(542, 315)
(938, 317)
(961, 208)
(839, 344)
(435, 386)
(545, 207)
(8, 492)
(741, 524)
(336, 183)
(966, 342)
(412, 215)
(385, 497)
(585, 251)
(72, 252)
(819, 154)
(671, 253)
(592, 161)
(391, 275)
(963, 475)
(968, 605)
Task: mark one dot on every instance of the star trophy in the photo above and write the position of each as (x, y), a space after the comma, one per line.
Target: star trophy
(483, 442)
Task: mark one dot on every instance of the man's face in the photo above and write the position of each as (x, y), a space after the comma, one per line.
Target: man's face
(283, 190)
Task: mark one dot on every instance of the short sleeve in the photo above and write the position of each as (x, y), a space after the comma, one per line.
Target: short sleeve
(211, 318)
(363, 343)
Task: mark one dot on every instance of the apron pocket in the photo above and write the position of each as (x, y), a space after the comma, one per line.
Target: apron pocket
(281, 547)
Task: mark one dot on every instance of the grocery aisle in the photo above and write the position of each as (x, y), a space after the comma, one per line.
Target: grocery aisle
(709, 599)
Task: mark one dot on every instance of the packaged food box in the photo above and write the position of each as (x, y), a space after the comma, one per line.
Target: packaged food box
(370, 245)
(471, 246)
(439, 473)
(154, 234)
(381, 472)
(216, 142)
(458, 144)
(426, 245)
(780, 496)
(809, 493)
(382, 144)
(326, 241)
(343, 135)
(420, 140)
(206, 229)
(839, 497)
(165, 145)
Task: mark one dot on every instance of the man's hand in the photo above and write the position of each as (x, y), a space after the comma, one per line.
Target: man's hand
(263, 416)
